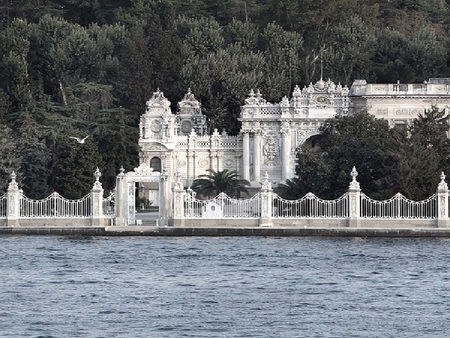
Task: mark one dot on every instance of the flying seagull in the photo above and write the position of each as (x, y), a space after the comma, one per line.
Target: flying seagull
(79, 140)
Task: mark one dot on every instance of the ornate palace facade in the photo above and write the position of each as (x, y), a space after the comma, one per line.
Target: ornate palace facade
(178, 144)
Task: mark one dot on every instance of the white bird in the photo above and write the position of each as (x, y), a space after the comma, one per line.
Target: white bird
(79, 140)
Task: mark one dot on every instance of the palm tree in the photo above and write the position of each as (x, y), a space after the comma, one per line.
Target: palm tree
(221, 181)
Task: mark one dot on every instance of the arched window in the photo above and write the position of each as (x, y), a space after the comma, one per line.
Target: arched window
(155, 163)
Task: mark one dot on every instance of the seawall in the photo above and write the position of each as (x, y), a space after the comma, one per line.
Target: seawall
(229, 231)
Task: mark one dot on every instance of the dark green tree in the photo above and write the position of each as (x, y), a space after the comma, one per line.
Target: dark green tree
(291, 189)
(9, 161)
(74, 166)
(360, 140)
(421, 156)
(35, 160)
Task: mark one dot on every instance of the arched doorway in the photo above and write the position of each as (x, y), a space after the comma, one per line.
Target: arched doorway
(127, 184)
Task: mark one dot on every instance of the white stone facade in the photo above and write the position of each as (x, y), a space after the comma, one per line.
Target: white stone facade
(399, 103)
(270, 132)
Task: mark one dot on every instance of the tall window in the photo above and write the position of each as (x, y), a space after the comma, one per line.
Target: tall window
(155, 163)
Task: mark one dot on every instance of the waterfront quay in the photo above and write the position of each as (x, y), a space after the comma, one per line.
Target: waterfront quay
(226, 231)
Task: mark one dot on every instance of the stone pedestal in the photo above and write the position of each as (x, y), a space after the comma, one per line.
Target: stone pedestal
(442, 202)
(97, 201)
(354, 201)
(13, 202)
(266, 203)
(179, 196)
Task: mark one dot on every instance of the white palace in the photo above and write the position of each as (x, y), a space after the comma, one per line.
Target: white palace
(178, 144)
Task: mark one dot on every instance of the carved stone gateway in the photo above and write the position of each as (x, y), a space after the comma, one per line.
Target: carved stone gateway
(126, 193)
(271, 132)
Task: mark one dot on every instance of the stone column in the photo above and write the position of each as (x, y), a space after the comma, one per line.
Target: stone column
(179, 196)
(13, 202)
(285, 154)
(354, 201)
(121, 198)
(442, 202)
(97, 201)
(266, 203)
(257, 156)
(246, 156)
(165, 198)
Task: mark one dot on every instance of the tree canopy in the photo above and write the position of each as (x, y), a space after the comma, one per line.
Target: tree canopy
(388, 160)
(87, 67)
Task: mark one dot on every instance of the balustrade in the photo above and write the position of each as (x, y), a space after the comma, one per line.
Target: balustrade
(3, 205)
(399, 207)
(310, 206)
(265, 205)
(55, 206)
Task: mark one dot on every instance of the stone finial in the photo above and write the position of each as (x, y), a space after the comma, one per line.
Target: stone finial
(266, 185)
(442, 186)
(121, 172)
(296, 92)
(13, 184)
(354, 184)
(97, 175)
(178, 185)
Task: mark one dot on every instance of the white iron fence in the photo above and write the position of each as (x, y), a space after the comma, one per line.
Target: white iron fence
(3, 204)
(222, 206)
(399, 207)
(310, 206)
(108, 206)
(55, 206)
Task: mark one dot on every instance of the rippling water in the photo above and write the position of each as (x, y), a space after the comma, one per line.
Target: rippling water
(223, 287)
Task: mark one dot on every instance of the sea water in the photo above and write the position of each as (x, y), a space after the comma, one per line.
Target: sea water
(223, 287)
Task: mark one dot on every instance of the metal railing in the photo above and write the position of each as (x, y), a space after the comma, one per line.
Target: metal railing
(109, 206)
(222, 206)
(55, 206)
(399, 207)
(3, 205)
(310, 206)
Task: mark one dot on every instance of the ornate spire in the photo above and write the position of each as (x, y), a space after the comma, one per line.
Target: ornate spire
(97, 175)
(13, 184)
(354, 184)
(442, 186)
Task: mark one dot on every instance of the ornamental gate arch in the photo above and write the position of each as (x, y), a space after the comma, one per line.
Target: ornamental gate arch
(126, 190)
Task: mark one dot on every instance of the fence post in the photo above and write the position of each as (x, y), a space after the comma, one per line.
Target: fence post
(97, 201)
(266, 203)
(121, 198)
(179, 195)
(165, 198)
(442, 203)
(13, 202)
(354, 200)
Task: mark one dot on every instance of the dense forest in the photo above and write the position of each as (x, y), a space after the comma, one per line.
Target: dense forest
(87, 67)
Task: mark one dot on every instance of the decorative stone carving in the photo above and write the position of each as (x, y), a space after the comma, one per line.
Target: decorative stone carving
(156, 126)
(144, 170)
(181, 163)
(203, 162)
(271, 151)
(269, 126)
(229, 162)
